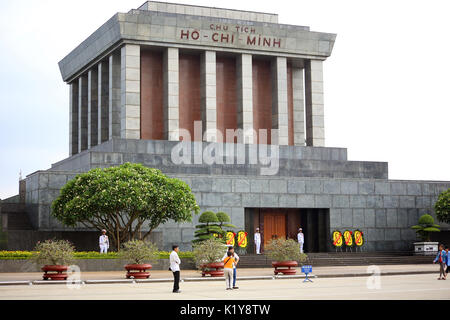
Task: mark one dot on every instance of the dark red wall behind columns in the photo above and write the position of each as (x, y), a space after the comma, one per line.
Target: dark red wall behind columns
(226, 95)
(290, 105)
(262, 97)
(152, 116)
(190, 103)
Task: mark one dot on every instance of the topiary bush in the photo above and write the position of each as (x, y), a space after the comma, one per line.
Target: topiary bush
(442, 207)
(208, 251)
(282, 250)
(53, 253)
(138, 252)
(425, 227)
(208, 228)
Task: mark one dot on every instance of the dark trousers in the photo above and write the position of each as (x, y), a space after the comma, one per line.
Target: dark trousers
(234, 277)
(176, 281)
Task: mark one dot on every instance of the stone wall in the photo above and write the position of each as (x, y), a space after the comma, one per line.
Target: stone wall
(383, 209)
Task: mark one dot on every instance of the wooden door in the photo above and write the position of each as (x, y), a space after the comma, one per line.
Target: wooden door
(274, 226)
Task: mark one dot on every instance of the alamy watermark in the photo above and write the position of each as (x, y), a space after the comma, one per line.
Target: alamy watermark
(248, 147)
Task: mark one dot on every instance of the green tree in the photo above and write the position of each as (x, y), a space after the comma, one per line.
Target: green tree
(442, 207)
(425, 227)
(208, 227)
(224, 220)
(123, 200)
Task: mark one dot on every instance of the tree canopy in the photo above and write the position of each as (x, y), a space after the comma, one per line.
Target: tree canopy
(123, 200)
(442, 207)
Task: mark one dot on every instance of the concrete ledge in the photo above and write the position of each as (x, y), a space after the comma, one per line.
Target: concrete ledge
(255, 278)
(52, 282)
(16, 283)
(365, 274)
(295, 276)
(109, 281)
(204, 279)
(154, 280)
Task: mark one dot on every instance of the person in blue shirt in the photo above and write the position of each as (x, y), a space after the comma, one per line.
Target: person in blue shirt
(448, 261)
(441, 258)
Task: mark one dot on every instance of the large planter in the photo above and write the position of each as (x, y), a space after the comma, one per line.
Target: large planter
(213, 269)
(426, 248)
(285, 267)
(138, 271)
(55, 272)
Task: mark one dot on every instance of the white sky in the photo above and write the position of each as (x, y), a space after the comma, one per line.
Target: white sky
(387, 83)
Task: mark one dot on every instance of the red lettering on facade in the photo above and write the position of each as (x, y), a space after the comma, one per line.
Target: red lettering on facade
(251, 41)
(277, 43)
(215, 37)
(185, 34)
(266, 42)
(225, 38)
(195, 35)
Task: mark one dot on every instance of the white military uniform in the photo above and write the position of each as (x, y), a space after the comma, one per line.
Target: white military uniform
(104, 243)
(258, 242)
(301, 240)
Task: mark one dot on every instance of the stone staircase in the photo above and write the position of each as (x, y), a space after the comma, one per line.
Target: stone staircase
(343, 259)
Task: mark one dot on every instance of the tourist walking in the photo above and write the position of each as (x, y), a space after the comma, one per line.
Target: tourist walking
(301, 239)
(441, 258)
(258, 241)
(175, 268)
(236, 258)
(104, 242)
(228, 270)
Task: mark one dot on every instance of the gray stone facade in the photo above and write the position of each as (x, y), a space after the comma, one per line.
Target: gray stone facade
(357, 194)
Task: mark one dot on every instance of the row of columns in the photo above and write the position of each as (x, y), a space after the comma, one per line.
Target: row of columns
(105, 102)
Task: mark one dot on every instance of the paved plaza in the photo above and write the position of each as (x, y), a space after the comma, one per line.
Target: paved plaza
(423, 286)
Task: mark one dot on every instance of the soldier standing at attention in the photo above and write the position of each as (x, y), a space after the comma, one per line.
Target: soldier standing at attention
(301, 239)
(104, 242)
(258, 241)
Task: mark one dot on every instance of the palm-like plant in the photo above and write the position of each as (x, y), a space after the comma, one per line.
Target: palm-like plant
(425, 227)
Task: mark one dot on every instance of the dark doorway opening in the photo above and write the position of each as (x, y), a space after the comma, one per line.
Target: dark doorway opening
(284, 223)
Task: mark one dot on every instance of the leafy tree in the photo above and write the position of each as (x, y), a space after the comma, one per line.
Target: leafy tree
(138, 252)
(124, 200)
(442, 207)
(425, 227)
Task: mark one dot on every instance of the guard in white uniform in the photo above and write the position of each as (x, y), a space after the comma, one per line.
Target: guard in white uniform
(301, 239)
(258, 241)
(104, 242)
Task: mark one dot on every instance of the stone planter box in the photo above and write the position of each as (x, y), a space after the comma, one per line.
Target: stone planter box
(89, 265)
(426, 248)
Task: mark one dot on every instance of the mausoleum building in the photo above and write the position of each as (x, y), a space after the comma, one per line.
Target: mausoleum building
(231, 102)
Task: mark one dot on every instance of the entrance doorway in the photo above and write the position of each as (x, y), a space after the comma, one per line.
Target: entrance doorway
(278, 223)
(274, 225)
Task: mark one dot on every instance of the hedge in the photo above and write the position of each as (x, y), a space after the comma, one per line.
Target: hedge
(25, 255)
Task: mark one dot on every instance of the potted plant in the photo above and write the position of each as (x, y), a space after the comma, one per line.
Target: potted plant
(208, 256)
(55, 256)
(136, 253)
(424, 229)
(285, 254)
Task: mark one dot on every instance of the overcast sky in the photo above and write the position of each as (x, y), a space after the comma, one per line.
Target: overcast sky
(387, 83)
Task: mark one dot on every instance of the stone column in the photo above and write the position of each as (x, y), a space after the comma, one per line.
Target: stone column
(103, 102)
(208, 95)
(299, 106)
(82, 113)
(171, 94)
(244, 70)
(73, 118)
(92, 107)
(315, 125)
(280, 101)
(130, 106)
(114, 95)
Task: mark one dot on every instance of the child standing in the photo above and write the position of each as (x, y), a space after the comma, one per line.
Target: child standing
(228, 270)
(441, 258)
